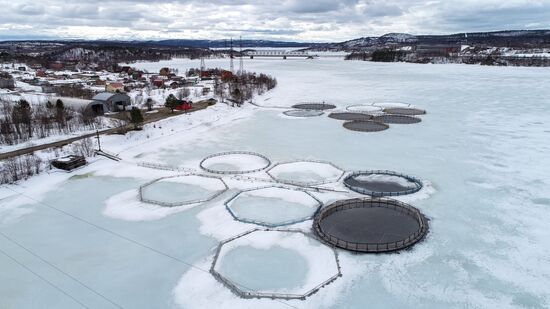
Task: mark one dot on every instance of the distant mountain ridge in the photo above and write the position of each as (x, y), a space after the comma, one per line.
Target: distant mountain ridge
(178, 43)
(508, 38)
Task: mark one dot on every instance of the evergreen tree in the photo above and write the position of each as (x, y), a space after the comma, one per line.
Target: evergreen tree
(171, 102)
(136, 117)
(60, 113)
(59, 104)
(149, 104)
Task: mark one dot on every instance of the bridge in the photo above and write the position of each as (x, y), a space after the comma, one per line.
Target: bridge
(279, 53)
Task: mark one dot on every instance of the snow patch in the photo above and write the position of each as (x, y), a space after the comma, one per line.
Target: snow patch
(127, 206)
(386, 178)
(288, 195)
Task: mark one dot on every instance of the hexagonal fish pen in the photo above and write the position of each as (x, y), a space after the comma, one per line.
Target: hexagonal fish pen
(181, 190)
(283, 264)
(273, 206)
(305, 172)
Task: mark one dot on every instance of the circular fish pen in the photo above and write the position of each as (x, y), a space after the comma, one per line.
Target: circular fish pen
(303, 113)
(382, 183)
(305, 173)
(370, 225)
(181, 190)
(350, 116)
(273, 206)
(365, 126)
(235, 162)
(364, 108)
(408, 111)
(391, 104)
(314, 106)
(274, 264)
(396, 119)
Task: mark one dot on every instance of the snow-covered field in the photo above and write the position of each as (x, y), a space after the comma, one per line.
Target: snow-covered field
(70, 240)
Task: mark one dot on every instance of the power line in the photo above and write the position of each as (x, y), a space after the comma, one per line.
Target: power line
(43, 279)
(58, 269)
(132, 240)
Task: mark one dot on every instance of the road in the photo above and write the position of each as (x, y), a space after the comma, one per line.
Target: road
(149, 118)
(28, 150)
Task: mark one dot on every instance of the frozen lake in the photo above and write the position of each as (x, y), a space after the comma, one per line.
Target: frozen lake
(483, 145)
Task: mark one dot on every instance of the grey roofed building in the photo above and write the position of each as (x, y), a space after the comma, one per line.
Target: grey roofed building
(81, 105)
(112, 102)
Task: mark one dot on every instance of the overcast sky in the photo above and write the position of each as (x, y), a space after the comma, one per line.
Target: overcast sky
(294, 20)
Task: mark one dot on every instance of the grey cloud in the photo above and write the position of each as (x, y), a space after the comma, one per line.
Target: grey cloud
(29, 9)
(311, 20)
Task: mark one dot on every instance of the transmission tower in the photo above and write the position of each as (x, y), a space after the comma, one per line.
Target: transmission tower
(241, 65)
(231, 67)
(203, 66)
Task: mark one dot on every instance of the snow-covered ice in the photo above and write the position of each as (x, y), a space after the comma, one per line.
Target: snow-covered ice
(127, 206)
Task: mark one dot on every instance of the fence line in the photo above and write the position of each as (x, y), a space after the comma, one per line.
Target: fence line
(236, 177)
(165, 167)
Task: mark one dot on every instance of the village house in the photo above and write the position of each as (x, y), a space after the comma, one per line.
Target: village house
(164, 72)
(114, 87)
(126, 69)
(47, 87)
(56, 66)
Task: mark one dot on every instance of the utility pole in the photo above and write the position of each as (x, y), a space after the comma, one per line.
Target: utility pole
(231, 68)
(241, 65)
(98, 141)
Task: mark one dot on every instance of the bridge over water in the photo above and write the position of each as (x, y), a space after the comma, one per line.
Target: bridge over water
(279, 53)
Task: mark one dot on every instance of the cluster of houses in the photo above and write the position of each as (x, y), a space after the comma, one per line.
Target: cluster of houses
(119, 79)
(98, 92)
